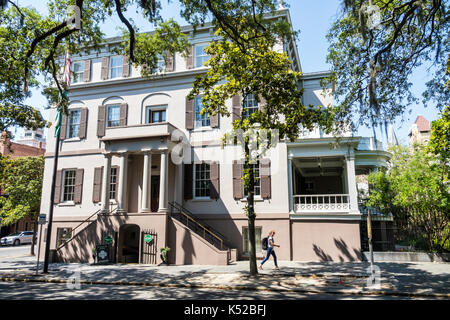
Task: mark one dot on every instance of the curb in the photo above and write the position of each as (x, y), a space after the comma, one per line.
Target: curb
(230, 287)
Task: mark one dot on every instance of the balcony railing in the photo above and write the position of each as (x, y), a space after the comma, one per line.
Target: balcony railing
(322, 203)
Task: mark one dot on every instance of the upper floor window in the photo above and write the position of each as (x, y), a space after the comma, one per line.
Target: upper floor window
(115, 67)
(201, 120)
(113, 183)
(257, 189)
(69, 185)
(77, 71)
(113, 115)
(156, 114)
(73, 125)
(201, 180)
(28, 134)
(161, 64)
(250, 104)
(200, 55)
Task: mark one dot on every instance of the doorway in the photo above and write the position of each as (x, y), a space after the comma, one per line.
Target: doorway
(154, 193)
(129, 235)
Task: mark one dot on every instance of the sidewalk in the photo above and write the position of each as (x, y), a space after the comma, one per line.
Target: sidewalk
(395, 279)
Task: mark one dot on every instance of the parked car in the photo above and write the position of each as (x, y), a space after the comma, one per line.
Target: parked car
(17, 238)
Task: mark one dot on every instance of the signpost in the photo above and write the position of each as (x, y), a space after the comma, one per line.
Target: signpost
(41, 221)
(148, 238)
(369, 233)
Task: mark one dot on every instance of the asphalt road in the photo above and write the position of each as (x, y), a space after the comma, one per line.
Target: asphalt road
(56, 291)
(11, 252)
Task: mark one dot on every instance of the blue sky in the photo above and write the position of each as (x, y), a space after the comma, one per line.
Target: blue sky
(312, 18)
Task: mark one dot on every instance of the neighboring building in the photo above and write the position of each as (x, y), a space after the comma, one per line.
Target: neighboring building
(119, 174)
(420, 131)
(31, 144)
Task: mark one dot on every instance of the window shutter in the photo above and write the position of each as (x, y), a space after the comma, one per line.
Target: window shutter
(125, 66)
(101, 121)
(236, 102)
(105, 68)
(78, 192)
(214, 121)
(190, 58)
(188, 181)
(237, 180)
(123, 114)
(189, 114)
(63, 129)
(97, 191)
(83, 123)
(87, 71)
(214, 176)
(264, 173)
(169, 62)
(58, 187)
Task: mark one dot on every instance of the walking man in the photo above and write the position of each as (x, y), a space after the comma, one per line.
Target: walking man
(270, 250)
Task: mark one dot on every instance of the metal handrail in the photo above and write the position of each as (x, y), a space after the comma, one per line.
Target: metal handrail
(188, 217)
(86, 220)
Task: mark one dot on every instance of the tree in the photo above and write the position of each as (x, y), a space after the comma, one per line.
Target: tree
(374, 47)
(439, 143)
(254, 68)
(21, 179)
(415, 192)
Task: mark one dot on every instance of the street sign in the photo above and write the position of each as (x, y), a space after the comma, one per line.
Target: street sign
(102, 253)
(42, 218)
(148, 238)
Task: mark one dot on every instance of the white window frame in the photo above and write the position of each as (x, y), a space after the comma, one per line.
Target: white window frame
(249, 110)
(63, 193)
(113, 184)
(119, 68)
(150, 109)
(69, 124)
(194, 184)
(203, 119)
(77, 76)
(246, 240)
(257, 180)
(204, 57)
(108, 107)
(161, 63)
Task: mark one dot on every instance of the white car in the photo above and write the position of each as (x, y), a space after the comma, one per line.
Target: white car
(17, 238)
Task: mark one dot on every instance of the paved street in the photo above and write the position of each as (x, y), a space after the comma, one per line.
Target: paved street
(12, 252)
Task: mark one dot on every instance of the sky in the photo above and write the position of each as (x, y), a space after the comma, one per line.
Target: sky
(313, 19)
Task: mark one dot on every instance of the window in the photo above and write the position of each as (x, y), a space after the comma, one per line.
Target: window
(161, 64)
(63, 235)
(113, 116)
(200, 55)
(257, 189)
(37, 135)
(68, 185)
(28, 134)
(200, 120)
(77, 71)
(156, 114)
(246, 240)
(113, 183)
(201, 180)
(115, 67)
(73, 125)
(250, 104)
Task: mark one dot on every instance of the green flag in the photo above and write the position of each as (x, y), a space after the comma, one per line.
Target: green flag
(58, 120)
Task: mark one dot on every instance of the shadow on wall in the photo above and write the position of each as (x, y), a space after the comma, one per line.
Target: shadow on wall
(343, 249)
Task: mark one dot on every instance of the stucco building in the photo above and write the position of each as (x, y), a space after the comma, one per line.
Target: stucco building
(138, 158)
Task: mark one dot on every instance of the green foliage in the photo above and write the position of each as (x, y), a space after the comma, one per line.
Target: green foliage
(21, 179)
(415, 191)
(439, 143)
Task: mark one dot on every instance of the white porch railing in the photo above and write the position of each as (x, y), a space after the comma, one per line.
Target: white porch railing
(322, 203)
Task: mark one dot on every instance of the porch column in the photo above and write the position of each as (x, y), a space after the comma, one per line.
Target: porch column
(105, 182)
(122, 182)
(290, 190)
(351, 183)
(163, 184)
(145, 203)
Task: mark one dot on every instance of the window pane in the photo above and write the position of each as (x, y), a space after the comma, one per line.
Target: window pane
(200, 55)
(74, 123)
(69, 185)
(113, 183)
(113, 116)
(200, 120)
(115, 67)
(201, 180)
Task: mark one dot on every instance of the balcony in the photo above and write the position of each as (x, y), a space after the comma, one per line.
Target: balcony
(141, 131)
(322, 203)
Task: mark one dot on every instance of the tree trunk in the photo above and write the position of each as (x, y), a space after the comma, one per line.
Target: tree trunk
(34, 236)
(250, 211)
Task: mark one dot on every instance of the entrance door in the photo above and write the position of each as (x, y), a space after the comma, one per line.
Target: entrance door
(129, 236)
(155, 193)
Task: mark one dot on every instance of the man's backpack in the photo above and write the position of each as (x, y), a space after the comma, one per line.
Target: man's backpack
(264, 243)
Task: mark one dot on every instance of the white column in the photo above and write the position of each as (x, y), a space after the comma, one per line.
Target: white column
(122, 182)
(105, 182)
(163, 183)
(145, 203)
(291, 192)
(351, 183)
